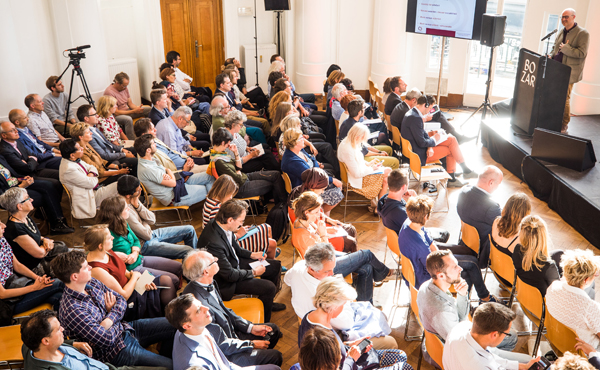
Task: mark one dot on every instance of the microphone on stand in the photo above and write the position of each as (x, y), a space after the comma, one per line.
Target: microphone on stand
(550, 34)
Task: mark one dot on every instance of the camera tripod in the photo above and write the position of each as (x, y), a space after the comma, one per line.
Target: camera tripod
(75, 57)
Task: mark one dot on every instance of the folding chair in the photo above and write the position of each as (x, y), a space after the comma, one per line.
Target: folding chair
(348, 189)
(502, 267)
(560, 336)
(10, 347)
(408, 272)
(250, 309)
(534, 307)
(155, 206)
(435, 349)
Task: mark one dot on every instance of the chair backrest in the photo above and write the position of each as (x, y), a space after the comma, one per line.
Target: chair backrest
(435, 348)
(343, 172)
(414, 160)
(11, 343)
(396, 138)
(287, 182)
(380, 105)
(530, 299)
(146, 195)
(337, 128)
(372, 89)
(388, 121)
(251, 309)
(560, 336)
(501, 263)
(408, 271)
(470, 236)
(413, 303)
(392, 241)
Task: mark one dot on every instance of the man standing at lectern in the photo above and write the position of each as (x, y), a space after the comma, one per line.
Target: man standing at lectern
(570, 48)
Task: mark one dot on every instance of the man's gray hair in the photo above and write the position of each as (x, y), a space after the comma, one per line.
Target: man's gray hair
(216, 106)
(2, 124)
(234, 116)
(182, 112)
(12, 198)
(194, 271)
(337, 90)
(317, 254)
(414, 93)
(275, 67)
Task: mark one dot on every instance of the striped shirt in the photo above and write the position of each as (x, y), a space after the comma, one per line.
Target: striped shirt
(210, 210)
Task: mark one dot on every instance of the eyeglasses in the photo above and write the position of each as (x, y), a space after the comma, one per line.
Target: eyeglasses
(212, 263)
(25, 200)
(507, 334)
(565, 16)
(92, 115)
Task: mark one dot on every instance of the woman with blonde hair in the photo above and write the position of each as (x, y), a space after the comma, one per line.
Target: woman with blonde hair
(531, 259)
(108, 172)
(368, 178)
(282, 96)
(107, 123)
(506, 227)
(331, 296)
(224, 189)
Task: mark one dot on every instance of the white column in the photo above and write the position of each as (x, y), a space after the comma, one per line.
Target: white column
(79, 23)
(149, 43)
(585, 98)
(316, 42)
(389, 40)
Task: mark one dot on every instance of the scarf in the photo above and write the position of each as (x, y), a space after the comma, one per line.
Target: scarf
(214, 157)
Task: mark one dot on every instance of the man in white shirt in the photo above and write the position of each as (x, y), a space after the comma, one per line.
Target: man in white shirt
(470, 346)
(567, 300)
(358, 319)
(203, 94)
(39, 123)
(194, 346)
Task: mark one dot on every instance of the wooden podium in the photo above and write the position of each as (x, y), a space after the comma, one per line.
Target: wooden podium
(540, 93)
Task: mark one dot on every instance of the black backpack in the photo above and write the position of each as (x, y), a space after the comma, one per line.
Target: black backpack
(279, 221)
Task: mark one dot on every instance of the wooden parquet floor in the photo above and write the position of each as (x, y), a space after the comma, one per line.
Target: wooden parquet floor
(372, 236)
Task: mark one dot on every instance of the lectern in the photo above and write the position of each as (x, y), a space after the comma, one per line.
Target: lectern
(540, 92)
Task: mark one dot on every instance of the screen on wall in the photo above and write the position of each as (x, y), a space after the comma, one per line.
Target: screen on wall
(451, 18)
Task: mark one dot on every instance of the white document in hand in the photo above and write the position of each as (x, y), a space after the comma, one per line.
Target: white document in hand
(371, 121)
(373, 135)
(260, 149)
(255, 264)
(145, 279)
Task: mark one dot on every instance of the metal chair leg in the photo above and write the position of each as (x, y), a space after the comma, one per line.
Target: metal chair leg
(421, 352)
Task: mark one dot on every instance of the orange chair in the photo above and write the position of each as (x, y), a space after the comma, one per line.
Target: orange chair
(534, 307)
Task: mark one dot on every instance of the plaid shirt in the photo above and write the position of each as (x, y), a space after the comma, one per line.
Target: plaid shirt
(81, 314)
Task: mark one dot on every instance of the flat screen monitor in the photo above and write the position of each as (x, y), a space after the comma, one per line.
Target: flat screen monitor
(451, 18)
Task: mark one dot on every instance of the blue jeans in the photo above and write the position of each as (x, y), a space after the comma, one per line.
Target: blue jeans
(49, 294)
(197, 186)
(367, 267)
(164, 242)
(147, 332)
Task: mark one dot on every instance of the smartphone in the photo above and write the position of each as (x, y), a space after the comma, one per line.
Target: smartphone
(542, 364)
(364, 344)
(434, 109)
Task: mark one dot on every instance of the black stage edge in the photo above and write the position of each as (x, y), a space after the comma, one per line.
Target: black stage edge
(574, 195)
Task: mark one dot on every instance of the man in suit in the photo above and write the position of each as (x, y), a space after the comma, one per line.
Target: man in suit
(476, 208)
(245, 343)
(21, 159)
(161, 106)
(430, 149)
(193, 345)
(37, 147)
(235, 275)
(107, 150)
(398, 86)
(570, 48)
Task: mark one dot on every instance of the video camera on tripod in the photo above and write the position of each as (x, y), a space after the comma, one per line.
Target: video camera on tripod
(75, 55)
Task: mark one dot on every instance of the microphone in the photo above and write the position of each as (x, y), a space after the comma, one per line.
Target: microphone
(545, 37)
(79, 48)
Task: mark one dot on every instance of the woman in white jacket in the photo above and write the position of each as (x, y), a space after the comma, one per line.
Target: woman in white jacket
(366, 178)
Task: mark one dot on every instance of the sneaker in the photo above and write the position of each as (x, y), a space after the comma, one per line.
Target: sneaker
(283, 269)
(455, 184)
(61, 228)
(277, 252)
(277, 307)
(492, 300)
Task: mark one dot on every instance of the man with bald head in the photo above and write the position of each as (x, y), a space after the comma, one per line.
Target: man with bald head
(570, 48)
(477, 208)
(242, 342)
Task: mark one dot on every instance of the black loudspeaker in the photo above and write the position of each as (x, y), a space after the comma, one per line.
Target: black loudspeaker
(277, 4)
(492, 29)
(568, 151)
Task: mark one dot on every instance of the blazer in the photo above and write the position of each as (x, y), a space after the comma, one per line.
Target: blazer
(213, 238)
(74, 178)
(32, 147)
(155, 115)
(224, 319)
(21, 162)
(391, 103)
(413, 130)
(476, 208)
(107, 150)
(293, 165)
(398, 114)
(575, 52)
(187, 353)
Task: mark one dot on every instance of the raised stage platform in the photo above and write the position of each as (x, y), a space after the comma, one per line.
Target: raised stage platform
(574, 195)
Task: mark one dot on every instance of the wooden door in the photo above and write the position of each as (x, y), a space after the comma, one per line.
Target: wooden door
(194, 28)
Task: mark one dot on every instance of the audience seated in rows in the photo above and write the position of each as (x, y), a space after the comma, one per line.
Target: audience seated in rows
(81, 180)
(91, 312)
(476, 208)
(310, 225)
(235, 275)
(473, 345)
(193, 346)
(254, 99)
(357, 319)
(307, 98)
(39, 123)
(397, 88)
(111, 271)
(126, 109)
(255, 93)
(203, 94)
(175, 93)
(224, 189)
(239, 99)
(431, 149)
(368, 178)
(20, 288)
(243, 342)
(250, 185)
(168, 131)
(224, 87)
(55, 104)
(331, 295)
(185, 189)
(219, 108)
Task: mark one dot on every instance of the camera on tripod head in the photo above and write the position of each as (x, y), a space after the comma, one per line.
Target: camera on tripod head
(76, 53)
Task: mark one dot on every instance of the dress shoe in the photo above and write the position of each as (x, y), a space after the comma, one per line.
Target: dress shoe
(61, 227)
(455, 184)
(277, 307)
(470, 175)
